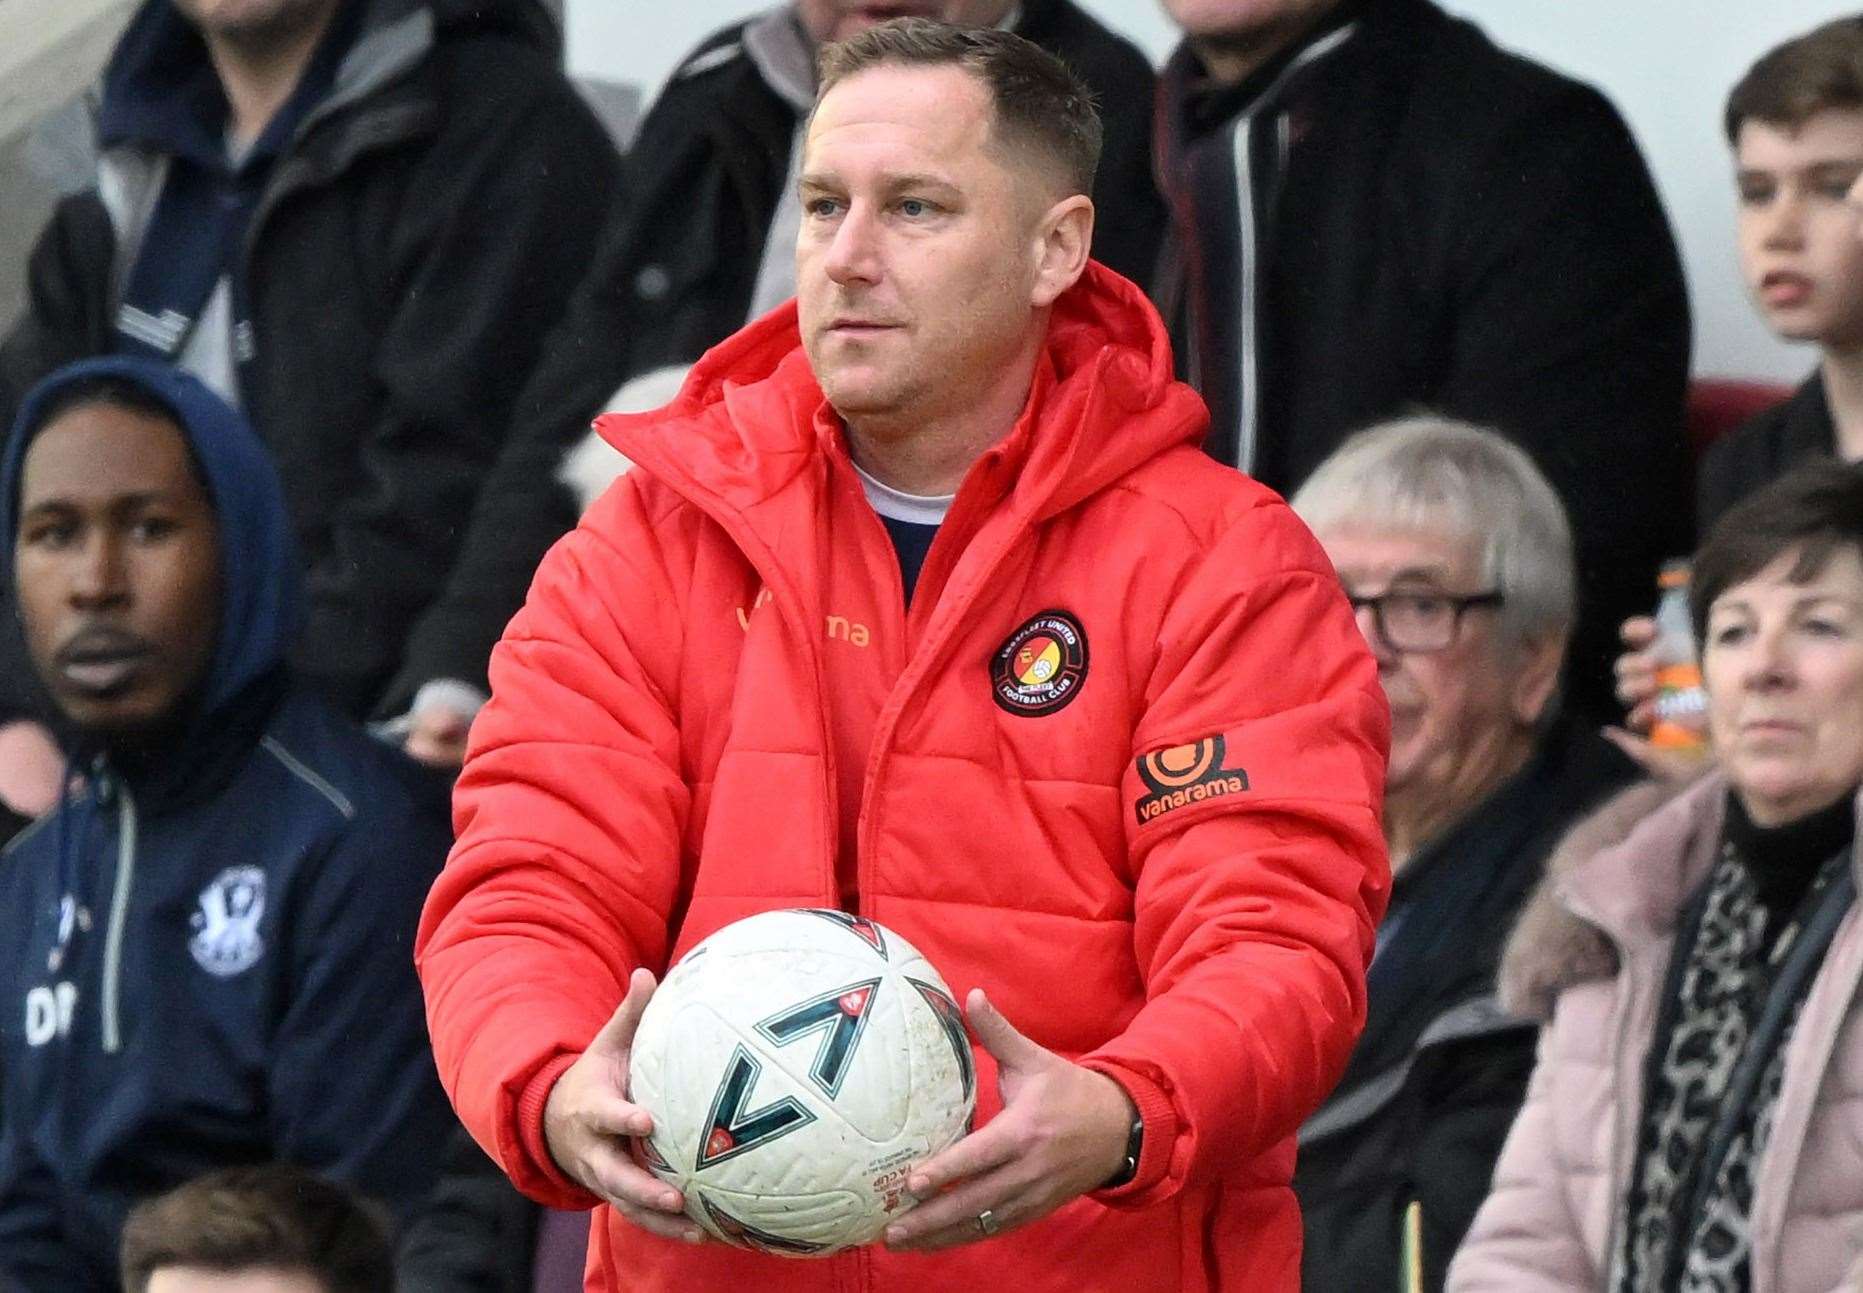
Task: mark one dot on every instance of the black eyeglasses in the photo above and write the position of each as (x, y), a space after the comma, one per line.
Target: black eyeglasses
(1421, 622)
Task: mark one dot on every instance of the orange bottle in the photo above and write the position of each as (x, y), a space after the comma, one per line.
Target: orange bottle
(1681, 704)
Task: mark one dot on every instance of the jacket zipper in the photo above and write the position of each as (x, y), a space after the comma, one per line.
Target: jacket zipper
(1247, 400)
(1823, 1047)
(119, 911)
(1245, 209)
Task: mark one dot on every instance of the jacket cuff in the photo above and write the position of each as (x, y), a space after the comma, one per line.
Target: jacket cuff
(557, 1189)
(1159, 1115)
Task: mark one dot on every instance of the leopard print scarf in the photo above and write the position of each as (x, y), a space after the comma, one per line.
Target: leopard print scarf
(1730, 970)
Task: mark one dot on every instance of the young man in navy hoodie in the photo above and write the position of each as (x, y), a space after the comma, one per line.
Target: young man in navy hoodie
(205, 948)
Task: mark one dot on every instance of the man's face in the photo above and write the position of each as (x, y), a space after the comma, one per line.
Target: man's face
(1250, 20)
(256, 21)
(831, 20)
(1799, 246)
(117, 566)
(1451, 709)
(919, 245)
(198, 1279)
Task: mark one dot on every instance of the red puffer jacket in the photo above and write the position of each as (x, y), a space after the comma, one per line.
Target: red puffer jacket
(1160, 854)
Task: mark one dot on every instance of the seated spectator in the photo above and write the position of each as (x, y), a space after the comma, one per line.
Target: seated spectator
(1455, 552)
(1693, 1121)
(208, 941)
(1374, 208)
(704, 241)
(273, 1229)
(356, 220)
(1795, 122)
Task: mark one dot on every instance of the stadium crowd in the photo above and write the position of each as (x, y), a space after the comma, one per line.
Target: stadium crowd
(300, 406)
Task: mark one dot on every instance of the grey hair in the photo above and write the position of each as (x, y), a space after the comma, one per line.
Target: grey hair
(1439, 476)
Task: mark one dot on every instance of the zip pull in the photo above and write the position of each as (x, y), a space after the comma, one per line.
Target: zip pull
(113, 936)
(103, 781)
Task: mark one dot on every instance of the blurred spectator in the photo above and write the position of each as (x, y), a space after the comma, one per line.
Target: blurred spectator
(29, 769)
(356, 219)
(1795, 122)
(208, 941)
(1456, 554)
(704, 241)
(1693, 1123)
(1374, 209)
(477, 1234)
(274, 1229)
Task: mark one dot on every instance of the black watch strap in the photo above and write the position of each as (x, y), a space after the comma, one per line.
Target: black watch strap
(1135, 1145)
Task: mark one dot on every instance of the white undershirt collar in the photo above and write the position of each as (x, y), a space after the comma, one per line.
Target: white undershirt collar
(897, 505)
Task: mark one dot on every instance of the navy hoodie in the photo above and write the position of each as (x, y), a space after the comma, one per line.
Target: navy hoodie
(206, 950)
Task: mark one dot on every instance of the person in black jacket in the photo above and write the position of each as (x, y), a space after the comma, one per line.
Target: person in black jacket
(1456, 553)
(356, 220)
(704, 241)
(207, 944)
(1375, 209)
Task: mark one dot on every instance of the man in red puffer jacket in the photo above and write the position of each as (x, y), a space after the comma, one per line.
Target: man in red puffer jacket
(922, 601)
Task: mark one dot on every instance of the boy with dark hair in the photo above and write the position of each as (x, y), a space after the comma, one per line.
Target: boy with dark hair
(206, 943)
(1795, 123)
(272, 1229)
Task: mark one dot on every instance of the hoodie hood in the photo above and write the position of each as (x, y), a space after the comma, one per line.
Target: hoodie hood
(1104, 400)
(260, 596)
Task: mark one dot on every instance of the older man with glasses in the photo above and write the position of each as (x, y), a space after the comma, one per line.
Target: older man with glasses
(1457, 557)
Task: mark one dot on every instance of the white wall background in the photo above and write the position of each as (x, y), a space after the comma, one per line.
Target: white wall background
(1666, 63)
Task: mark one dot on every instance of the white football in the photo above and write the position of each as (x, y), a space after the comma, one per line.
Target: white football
(797, 1064)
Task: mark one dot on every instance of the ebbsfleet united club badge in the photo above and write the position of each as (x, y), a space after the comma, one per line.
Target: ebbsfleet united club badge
(1040, 667)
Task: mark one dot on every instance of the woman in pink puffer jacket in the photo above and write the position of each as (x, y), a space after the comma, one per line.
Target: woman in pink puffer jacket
(1650, 1065)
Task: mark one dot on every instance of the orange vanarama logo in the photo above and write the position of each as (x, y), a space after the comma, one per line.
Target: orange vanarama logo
(1041, 666)
(1186, 774)
(836, 626)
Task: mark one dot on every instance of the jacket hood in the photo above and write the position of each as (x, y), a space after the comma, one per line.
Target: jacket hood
(1637, 837)
(260, 597)
(751, 416)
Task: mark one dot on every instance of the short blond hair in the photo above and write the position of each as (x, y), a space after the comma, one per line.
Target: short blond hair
(1037, 101)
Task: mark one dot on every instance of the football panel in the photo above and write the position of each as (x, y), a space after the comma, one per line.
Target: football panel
(809, 1225)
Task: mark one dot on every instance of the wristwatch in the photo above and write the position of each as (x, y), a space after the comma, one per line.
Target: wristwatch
(1135, 1145)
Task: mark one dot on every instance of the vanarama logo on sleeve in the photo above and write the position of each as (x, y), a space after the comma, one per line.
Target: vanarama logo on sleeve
(1039, 668)
(1185, 774)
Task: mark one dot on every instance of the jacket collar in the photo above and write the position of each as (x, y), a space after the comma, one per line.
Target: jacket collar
(160, 90)
(158, 85)
(1635, 890)
(751, 418)
(1191, 103)
(1617, 883)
